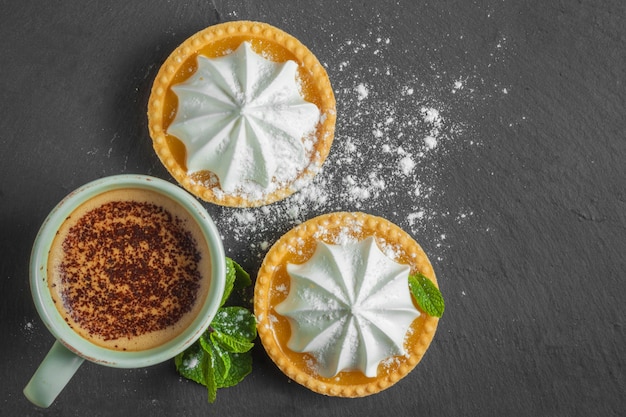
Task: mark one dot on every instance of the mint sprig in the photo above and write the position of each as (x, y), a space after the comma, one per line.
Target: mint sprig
(427, 295)
(221, 358)
(236, 278)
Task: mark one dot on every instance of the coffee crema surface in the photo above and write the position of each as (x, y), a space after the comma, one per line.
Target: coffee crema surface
(129, 269)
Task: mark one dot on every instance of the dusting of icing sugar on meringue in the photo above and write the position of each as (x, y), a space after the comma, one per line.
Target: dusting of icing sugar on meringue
(349, 306)
(242, 117)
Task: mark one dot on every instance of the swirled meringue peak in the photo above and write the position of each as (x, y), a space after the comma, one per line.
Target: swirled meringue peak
(349, 306)
(243, 118)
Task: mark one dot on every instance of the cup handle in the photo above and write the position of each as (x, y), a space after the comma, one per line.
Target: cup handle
(53, 374)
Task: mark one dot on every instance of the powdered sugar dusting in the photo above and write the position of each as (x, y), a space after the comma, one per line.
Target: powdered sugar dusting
(28, 329)
(362, 92)
(394, 137)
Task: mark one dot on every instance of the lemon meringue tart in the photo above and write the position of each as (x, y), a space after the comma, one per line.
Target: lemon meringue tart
(242, 114)
(334, 308)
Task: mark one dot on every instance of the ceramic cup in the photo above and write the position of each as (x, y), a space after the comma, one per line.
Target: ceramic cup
(70, 350)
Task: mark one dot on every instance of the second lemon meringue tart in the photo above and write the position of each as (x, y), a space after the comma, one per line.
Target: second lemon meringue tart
(334, 308)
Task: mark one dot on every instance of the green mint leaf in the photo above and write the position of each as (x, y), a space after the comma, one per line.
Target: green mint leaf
(236, 278)
(229, 368)
(427, 295)
(205, 341)
(209, 377)
(242, 278)
(231, 344)
(221, 357)
(222, 362)
(241, 366)
(237, 322)
(231, 277)
(191, 363)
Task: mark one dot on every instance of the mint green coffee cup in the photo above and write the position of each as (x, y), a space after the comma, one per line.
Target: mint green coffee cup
(71, 349)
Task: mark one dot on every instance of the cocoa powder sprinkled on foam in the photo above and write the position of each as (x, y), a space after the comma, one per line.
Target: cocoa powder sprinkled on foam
(129, 268)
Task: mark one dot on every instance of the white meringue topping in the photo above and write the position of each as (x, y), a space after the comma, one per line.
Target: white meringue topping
(243, 118)
(349, 306)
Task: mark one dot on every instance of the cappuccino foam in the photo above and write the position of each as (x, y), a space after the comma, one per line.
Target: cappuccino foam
(129, 269)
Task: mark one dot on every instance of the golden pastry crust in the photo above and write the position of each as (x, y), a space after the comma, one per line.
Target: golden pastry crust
(272, 284)
(216, 41)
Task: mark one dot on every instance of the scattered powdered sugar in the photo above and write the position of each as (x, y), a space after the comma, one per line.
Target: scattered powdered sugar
(430, 142)
(29, 329)
(432, 117)
(346, 234)
(362, 92)
(407, 165)
(191, 362)
(391, 362)
(282, 288)
(394, 135)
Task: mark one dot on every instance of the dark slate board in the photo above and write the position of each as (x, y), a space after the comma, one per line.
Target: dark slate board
(521, 203)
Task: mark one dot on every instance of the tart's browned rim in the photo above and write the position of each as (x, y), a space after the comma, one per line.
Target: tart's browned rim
(380, 228)
(216, 33)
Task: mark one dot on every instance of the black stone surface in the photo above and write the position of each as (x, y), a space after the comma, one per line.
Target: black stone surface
(521, 203)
